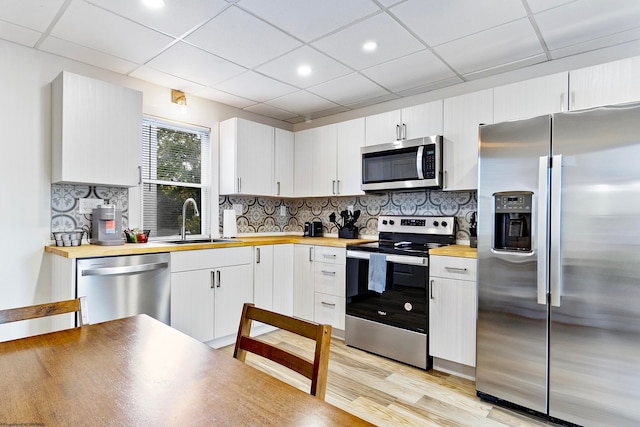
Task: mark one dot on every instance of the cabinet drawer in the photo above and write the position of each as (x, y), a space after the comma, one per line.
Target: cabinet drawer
(210, 258)
(330, 255)
(452, 267)
(329, 278)
(329, 309)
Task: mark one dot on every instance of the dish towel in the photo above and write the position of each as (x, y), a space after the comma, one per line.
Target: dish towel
(377, 272)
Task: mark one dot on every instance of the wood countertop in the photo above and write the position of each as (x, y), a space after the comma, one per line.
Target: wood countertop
(90, 251)
(462, 251)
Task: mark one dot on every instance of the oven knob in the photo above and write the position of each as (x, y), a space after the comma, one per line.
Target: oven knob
(391, 222)
(384, 221)
(444, 223)
(435, 223)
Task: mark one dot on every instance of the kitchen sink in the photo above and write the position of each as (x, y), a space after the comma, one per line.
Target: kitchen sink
(192, 241)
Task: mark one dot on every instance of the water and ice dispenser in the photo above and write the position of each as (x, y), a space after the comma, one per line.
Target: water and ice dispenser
(512, 227)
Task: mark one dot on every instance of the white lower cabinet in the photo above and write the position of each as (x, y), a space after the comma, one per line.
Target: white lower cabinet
(453, 309)
(208, 289)
(273, 278)
(319, 290)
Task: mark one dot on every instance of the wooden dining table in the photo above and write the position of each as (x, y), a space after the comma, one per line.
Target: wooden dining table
(138, 371)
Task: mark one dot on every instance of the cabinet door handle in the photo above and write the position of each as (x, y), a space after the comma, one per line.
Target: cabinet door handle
(218, 274)
(139, 175)
(327, 304)
(278, 192)
(397, 132)
(338, 187)
(239, 184)
(456, 269)
(333, 186)
(444, 180)
(257, 255)
(431, 290)
(213, 279)
(330, 273)
(404, 131)
(311, 254)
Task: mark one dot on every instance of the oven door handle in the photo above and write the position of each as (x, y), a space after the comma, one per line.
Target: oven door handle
(396, 259)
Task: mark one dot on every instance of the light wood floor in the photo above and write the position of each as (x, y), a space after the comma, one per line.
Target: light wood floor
(389, 393)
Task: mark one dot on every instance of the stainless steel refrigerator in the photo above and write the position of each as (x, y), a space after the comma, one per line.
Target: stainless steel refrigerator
(559, 265)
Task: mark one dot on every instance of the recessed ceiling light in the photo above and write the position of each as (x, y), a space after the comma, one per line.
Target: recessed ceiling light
(369, 46)
(153, 4)
(304, 70)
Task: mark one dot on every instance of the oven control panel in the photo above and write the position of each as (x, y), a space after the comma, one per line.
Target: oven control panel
(417, 224)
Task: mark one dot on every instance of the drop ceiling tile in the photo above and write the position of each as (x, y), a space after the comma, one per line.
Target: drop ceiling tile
(83, 54)
(18, 34)
(242, 38)
(389, 3)
(508, 66)
(437, 22)
(270, 111)
(618, 39)
(348, 89)
(392, 39)
(223, 97)
(166, 80)
(194, 64)
(175, 18)
(33, 14)
(585, 20)
(540, 5)
(323, 68)
(373, 101)
(491, 48)
(255, 86)
(98, 29)
(411, 71)
(328, 112)
(310, 19)
(301, 103)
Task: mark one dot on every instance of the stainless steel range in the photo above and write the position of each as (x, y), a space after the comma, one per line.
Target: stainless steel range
(387, 287)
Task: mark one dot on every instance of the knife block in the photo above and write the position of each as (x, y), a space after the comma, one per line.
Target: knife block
(348, 233)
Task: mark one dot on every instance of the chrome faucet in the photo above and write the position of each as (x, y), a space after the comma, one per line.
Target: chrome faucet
(183, 232)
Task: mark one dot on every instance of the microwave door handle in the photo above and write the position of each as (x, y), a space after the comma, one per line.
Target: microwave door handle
(419, 162)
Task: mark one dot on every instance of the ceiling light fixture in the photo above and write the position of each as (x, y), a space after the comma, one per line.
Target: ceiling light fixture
(153, 4)
(178, 97)
(369, 46)
(304, 70)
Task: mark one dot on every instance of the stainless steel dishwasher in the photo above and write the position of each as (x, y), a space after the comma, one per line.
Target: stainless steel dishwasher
(122, 286)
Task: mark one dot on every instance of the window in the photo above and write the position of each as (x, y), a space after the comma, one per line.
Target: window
(175, 167)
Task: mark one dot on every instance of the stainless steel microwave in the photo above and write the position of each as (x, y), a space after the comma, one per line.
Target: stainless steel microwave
(403, 165)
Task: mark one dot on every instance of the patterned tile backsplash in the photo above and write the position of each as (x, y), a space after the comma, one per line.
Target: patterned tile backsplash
(262, 214)
(65, 215)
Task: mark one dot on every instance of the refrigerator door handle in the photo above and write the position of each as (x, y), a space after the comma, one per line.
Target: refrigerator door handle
(555, 266)
(543, 196)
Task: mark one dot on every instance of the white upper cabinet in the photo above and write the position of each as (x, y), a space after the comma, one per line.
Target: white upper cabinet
(283, 163)
(408, 123)
(606, 84)
(324, 165)
(303, 155)
(350, 137)
(462, 116)
(531, 98)
(246, 158)
(328, 160)
(96, 132)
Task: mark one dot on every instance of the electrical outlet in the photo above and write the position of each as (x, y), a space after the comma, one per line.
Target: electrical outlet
(283, 210)
(86, 206)
(238, 208)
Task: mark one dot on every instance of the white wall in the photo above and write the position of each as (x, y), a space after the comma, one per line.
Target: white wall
(25, 165)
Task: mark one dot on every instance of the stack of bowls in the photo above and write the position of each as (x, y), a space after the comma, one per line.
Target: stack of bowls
(71, 238)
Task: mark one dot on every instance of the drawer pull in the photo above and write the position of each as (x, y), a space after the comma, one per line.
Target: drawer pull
(330, 273)
(460, 269)
(327, 304)
(329, 255)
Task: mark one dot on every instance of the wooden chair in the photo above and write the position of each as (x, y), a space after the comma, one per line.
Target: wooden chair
(315, 370)
(78, 305)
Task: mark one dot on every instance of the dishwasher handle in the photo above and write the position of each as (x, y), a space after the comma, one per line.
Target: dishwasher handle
(127, 269)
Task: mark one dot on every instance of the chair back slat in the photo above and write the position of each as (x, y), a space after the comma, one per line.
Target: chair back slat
(78, 305)
(316, 369)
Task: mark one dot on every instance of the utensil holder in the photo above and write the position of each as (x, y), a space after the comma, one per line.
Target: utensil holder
(348, 233)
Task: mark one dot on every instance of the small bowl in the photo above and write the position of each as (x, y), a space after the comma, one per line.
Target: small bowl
(66, 237)
(59, 243)
(75, 242)
(66, 242)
